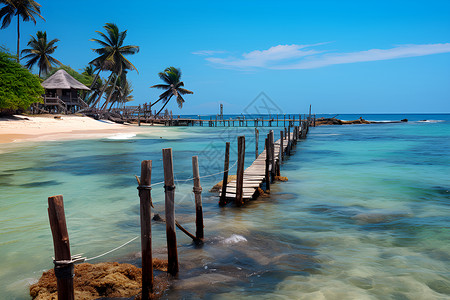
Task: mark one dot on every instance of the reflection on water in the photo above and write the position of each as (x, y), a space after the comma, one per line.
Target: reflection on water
(364, 215)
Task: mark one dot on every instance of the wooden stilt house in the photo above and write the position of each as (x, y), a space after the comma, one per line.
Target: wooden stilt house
(62, 93)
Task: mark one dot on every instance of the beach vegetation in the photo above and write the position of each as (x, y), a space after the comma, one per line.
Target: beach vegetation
(19, 88)
(25, 9)
(112, 58)
(173, 86)
(40, 52)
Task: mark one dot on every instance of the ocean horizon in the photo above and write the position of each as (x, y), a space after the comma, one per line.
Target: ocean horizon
(364, 213)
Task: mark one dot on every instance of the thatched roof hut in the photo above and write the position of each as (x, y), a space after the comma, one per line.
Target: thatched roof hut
(62, 93)
(62, 80)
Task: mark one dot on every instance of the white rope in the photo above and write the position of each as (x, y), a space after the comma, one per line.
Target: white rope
(209, 175)
(205, 176)
(158, 183)
(117, 248)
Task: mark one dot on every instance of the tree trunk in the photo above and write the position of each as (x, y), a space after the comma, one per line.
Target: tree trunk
(110, 94)
(92, 85)
(163, 106)
(18, 38)
(103, 90)
(95, 79)
(155, 102)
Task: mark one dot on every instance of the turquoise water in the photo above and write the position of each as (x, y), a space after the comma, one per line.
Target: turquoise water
(364, 215)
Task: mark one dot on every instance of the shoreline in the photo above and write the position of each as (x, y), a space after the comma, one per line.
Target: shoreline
(21, 128)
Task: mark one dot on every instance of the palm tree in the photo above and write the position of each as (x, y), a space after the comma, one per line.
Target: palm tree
(112, 55)
(39, 53)
(122, 91)
(173, 86)
(26, 9)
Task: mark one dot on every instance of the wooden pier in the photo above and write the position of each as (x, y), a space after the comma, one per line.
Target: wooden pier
(264, 168)
(143, 114)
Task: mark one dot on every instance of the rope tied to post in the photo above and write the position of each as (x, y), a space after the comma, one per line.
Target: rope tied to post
(169, 188)
(64, 269)
(144, 187)
(197, 190)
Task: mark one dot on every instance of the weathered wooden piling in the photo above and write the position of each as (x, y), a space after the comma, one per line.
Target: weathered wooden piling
(267, 169)
(198, 199)
(281, 145)
(256, 143)
(146, 228)
(63, 260)
(289, 145)
(240, 171)
(222, 200)
(169, 187)
(139, 116)
(272, 154)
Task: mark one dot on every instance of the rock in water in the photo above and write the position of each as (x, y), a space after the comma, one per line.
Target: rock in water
(93, 281)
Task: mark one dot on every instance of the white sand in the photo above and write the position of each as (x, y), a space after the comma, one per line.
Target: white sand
(45, 128)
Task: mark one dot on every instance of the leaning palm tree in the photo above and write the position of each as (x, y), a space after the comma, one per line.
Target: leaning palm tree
(112, 55)
(173, 86)
(26, 9)
(39, 53)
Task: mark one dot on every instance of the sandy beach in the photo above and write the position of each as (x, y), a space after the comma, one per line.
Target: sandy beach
(45, 128)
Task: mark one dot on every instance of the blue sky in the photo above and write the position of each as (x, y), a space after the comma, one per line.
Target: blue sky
(340, 56)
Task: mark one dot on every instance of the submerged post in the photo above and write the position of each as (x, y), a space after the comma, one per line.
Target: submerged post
(169, 188)
(240, 171)
(223, 196)
(256, 142)
(289, 141)
(267, 170)
(63, 260)
(146, 228)
(198, 199)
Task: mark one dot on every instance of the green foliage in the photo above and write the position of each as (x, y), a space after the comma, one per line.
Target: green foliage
(83, 77)
(18, 87)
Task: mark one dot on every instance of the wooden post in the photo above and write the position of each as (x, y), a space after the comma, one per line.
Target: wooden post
(139, 115)
(222, 200)
(272, 154)
(267, 172)
(169, 187)
(282, 145)
(284, 120)
(256, 142)
(63, 259)
(146, 228)
(240, 171)
(198, 199)
(289, 141)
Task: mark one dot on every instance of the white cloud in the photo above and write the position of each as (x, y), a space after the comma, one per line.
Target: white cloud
(291, 57)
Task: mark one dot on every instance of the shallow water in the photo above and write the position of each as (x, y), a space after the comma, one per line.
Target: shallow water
(364, 215)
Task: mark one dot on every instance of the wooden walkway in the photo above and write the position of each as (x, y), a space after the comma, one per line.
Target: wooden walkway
(255, 175)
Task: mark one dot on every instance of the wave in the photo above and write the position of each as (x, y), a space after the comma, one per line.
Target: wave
(122, 136)
(430, 121)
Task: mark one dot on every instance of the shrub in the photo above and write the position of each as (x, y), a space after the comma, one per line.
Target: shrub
(18, 87)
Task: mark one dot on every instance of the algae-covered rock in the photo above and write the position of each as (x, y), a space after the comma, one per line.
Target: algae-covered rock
(94, 281)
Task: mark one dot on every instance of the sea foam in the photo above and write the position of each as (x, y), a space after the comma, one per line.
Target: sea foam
(122, 136)
(234, 239)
